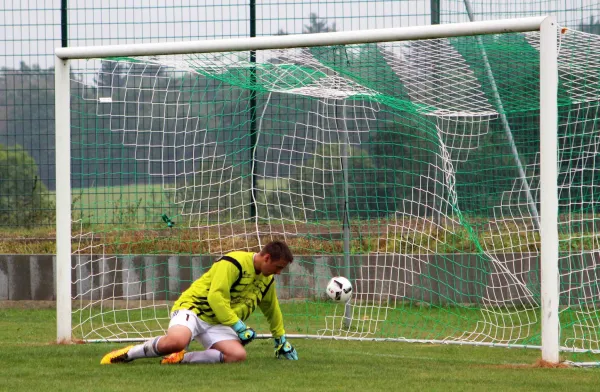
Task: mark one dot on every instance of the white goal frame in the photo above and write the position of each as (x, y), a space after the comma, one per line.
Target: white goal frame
(548, 29)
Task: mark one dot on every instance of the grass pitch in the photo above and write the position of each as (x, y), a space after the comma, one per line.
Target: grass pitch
(31, 361)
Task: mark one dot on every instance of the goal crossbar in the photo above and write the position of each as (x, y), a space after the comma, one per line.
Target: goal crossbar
(519, 25)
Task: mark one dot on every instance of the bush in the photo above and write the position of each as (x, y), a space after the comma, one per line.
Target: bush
(24, 199)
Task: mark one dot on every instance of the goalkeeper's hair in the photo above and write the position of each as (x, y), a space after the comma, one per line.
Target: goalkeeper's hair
(278, 250)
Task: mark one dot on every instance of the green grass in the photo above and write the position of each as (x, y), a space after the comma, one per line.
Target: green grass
(120, 204)
(409, 320)
(30, 361)
(308, 317)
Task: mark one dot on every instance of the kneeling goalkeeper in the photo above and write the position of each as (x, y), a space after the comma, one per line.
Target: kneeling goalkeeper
(213, 310)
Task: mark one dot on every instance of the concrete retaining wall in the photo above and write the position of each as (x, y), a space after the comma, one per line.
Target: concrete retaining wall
(436, 279)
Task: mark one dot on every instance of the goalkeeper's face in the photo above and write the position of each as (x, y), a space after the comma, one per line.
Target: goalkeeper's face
(270, 266)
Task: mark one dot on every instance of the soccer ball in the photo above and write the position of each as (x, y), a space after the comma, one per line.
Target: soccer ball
(339, 289)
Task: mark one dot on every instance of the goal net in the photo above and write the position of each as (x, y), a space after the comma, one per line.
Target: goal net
(412, 168)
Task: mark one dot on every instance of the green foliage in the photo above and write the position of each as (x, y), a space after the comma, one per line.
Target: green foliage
(217, 191)
(316, 187)
(315, 25)
(593, 26)
(24, 199)
(318, 25)
(324, 179)
(27, 115)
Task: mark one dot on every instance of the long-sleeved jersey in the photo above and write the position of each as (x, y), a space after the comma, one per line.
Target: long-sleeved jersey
(230, 291)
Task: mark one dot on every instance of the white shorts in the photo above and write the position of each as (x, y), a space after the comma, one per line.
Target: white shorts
(203, 332)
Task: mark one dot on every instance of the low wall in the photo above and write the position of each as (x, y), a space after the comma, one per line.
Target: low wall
(437, 279)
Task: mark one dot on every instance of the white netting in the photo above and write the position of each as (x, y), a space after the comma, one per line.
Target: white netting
(405, 143)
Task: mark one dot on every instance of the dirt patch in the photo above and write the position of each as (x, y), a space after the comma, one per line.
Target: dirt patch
(539, 364)
(27, 304)
(108, 304)
(66, 342)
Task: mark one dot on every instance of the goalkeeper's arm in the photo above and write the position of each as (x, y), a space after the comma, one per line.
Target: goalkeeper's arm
(270, 308)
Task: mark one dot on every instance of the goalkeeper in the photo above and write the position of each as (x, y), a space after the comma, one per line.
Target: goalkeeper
(213, 310)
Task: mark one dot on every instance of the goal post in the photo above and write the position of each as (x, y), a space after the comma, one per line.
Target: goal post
(63, 199)
(549, 190)
(328, 141)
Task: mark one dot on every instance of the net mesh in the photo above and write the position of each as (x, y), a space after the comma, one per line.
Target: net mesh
(412, 168)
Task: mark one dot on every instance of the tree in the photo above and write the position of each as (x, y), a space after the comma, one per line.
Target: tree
(318, 25)
(137, 127)
(110, 74)
(592, 27)
(27, 115)
(24, 200)
(218, 191)
(321, 178)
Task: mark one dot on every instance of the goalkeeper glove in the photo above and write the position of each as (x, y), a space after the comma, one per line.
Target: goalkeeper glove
(283, 349)
(245, 334)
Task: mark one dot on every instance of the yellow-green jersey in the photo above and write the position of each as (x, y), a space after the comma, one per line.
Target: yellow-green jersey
(230, 291)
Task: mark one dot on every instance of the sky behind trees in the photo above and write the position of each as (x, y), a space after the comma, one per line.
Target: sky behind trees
(31, 30)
